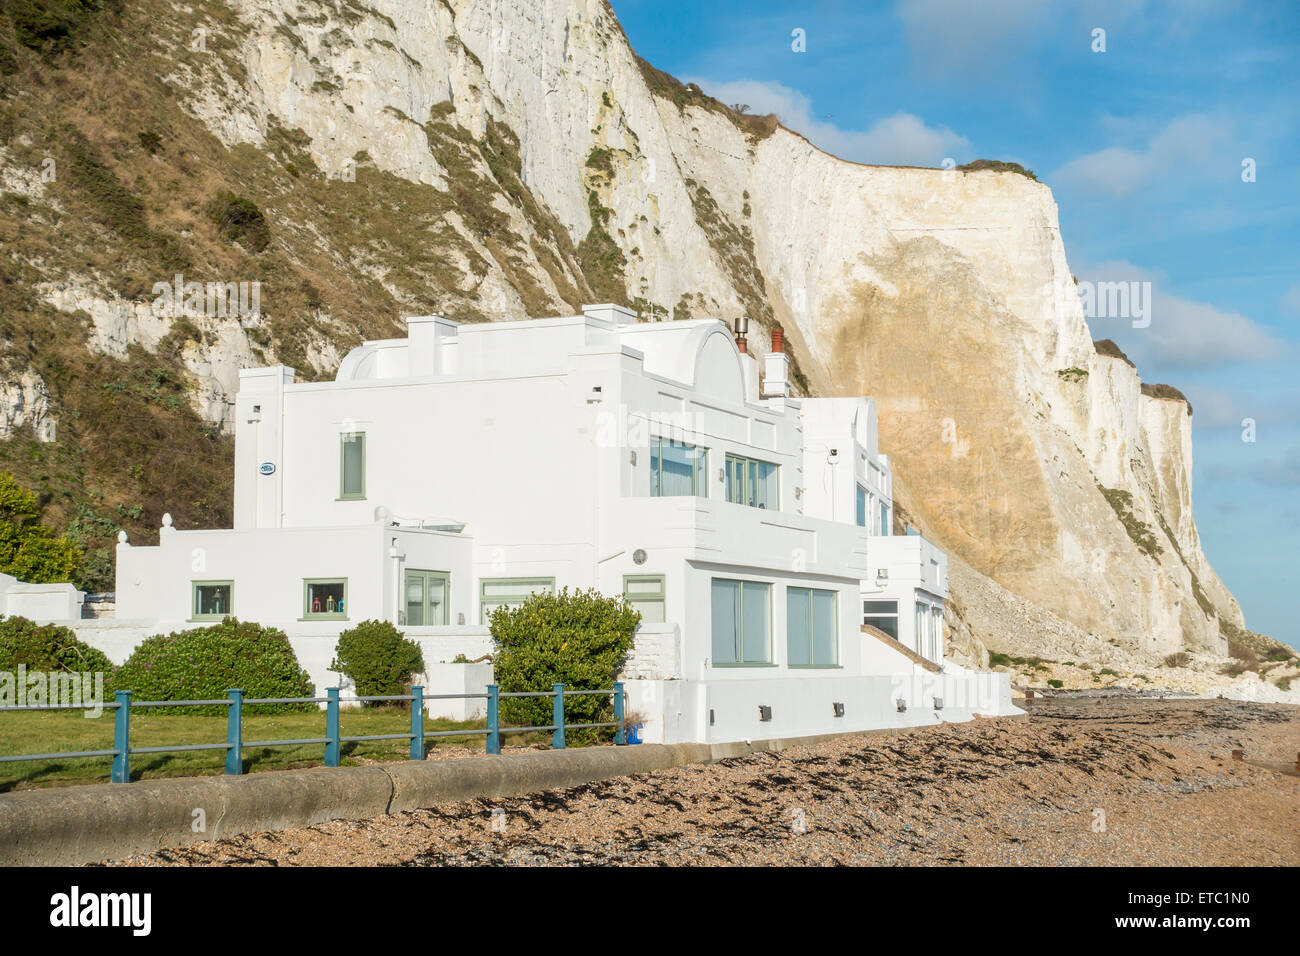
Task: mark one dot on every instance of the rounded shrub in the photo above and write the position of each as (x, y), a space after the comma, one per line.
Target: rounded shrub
(205, 662)
(377, 658)
(579, 639)
(49, 648)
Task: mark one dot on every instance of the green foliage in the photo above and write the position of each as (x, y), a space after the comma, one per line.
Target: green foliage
(51, 24)
(603, 262)
(1058, 684)
(579, 639)
(1167, 392)
(49, 648)
(378, 659)
(1108, 348)
(239, 220)
(998, 166)
(29, 550)
(1138, 530)
(204, 662)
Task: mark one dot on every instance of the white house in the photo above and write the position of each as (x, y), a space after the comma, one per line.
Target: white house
(466, 466)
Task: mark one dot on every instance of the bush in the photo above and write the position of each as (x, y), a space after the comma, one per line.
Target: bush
(29, 550)
(377, 658)
(49, 648)
(578, 639)
(239, 220)
(1179, 659)
(1058, 684)
(205, 662)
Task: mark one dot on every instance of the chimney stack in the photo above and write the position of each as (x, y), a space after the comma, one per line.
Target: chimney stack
(776, 367)
(742, 331)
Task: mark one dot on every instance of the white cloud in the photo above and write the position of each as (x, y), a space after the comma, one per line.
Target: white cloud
(1291, 300)
(1183, 333)
(899, 140)
(1189, 143)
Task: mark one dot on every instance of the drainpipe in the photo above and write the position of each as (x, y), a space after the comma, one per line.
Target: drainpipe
(396, 560)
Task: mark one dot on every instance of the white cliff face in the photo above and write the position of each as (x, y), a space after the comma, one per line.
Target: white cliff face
(944, 294)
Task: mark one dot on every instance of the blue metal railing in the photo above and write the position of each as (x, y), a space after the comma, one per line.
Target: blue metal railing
(234, 745)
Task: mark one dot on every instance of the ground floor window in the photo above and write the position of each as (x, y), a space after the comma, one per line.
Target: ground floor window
(325, 598)
(425, 599)
(509, 592)
(645, 593)
(881, 614)
(742, 622)
(211, 600)
(811, 627)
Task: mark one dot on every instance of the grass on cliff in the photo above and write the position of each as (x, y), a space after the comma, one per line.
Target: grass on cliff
(998, 166)
(1167, 392)
(1108, 348)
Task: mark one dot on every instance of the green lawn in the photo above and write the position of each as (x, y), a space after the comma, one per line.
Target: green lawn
(49, 731)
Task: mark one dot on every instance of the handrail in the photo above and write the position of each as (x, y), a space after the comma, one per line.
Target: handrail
(234, 745)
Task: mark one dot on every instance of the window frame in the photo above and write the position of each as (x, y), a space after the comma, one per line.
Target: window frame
(768, 655)
(445, 578)
(699, 473)
(745, 492)
(661, 598)
(344, 494)
(862, 506)
(309, 615)
(870, 617)
(194, 600)
(812, 637)
(523, 596)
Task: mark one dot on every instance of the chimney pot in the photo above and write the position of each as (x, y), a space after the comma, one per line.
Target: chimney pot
(778, 339)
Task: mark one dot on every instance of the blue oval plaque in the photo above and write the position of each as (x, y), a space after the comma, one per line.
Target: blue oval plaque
(267, 468)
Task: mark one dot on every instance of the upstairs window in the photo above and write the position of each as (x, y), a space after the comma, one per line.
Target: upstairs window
(677, 469)
(884, 518)
(211, 600)
(751, 482)
(860, 516)
(881, 614)
(325, 599)
(352, 466)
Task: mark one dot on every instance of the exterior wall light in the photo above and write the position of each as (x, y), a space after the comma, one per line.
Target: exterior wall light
(838, 708)
(902, 706)
(764, 712)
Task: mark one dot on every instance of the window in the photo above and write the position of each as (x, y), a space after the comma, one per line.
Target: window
(426, 597)
(677, 469)
(645, 593)
(742, 626)
(352, 466)
(936, 631)
(211, 600)
(810, 627)
(509, 592)
(325, 599)
(881, 614)
(752, 483)
(861, 512)
(884, 518)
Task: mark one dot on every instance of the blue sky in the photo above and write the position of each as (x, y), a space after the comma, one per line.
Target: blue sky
(1143, 146)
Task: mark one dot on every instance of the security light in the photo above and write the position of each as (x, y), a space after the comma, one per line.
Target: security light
(902, 705)
(938, 703)
(838, 709)
(764, 712)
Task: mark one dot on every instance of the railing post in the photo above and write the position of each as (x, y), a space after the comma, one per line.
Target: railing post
(417, 723)
(557, 716)
(332, 727)
(620, 732)
(235, 733)
(493, 721)
(122, 738)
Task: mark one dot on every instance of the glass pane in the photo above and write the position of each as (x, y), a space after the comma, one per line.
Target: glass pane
(437, 588)
(884, 518)
(654, 468)
(652, 611)
(750, 483)
(678, 467)
(702, 472)
(212, 599)
(756, 628)
(861, 515)
(325, 597)
(415, 599)
(735, 480)
(823, 628)
(726, 621)
(644, 586)
(879, 607)
(797, 638)
(353, 464)
(765, 494)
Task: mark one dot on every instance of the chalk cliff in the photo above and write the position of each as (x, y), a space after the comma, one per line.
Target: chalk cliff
(493, 158)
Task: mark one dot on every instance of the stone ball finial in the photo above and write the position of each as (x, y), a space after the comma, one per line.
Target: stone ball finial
(121, 537)
(167, 520)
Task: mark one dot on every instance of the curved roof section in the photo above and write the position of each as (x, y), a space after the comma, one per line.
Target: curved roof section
(700, 353)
